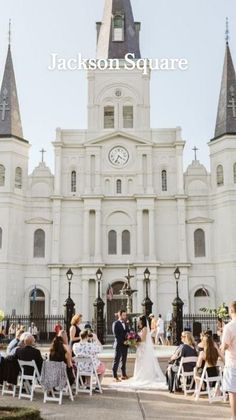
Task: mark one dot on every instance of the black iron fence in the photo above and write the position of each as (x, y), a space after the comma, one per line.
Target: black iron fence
(196, 323)
(45, 325)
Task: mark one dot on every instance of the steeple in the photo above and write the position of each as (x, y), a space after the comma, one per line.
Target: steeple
(118, 33)
(226, 116)
(10, 120)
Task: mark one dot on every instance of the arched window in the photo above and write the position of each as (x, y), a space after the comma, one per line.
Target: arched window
(39, 243)
(2, 176)
(37, 303)
(128, 116)
(118, 28)
(199, 243)
(220, 175)
(164, 180)
(109, 117)
(125, 242)
(0, 238)
(112, 242)
(18, 178)
(203, 292)
(235, 173)
(73, 181)
(118, 186)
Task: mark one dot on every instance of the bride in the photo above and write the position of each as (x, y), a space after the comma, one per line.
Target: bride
(147, 372)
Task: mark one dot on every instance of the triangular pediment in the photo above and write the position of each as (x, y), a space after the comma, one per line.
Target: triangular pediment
(38, 221)
(199, 220)
(120, 135)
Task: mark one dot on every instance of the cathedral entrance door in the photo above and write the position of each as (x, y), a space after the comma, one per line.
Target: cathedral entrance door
(37, 303)
(117, 302)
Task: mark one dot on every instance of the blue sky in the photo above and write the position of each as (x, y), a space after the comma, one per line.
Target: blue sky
(193, 29)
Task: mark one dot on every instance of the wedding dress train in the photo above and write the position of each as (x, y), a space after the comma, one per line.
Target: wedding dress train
(147, 371)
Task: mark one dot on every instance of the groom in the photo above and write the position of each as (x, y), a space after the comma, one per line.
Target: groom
(120, 329)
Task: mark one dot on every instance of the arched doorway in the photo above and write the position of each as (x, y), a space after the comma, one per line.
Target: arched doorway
(201, 299)
(37, 303)
(117, 302)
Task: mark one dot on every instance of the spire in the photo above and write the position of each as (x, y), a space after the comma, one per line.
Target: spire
(226, 116)
(118, 33)
(10, 121)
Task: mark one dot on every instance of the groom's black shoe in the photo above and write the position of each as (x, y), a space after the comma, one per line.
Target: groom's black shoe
(116, 379)
(124, 378)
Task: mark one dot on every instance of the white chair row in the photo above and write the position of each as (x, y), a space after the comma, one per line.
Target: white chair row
(212, 384)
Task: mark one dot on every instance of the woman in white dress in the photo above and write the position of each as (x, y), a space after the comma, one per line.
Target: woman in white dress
(147, 372)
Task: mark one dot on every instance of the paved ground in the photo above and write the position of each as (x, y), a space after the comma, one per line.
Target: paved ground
(117, 405)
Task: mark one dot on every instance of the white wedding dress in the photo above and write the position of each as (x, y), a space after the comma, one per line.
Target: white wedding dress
(147, 371)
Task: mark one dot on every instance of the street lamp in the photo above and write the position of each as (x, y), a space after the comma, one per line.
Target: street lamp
(147, 303)
(177, 304)
(69, 303)
(99, 310)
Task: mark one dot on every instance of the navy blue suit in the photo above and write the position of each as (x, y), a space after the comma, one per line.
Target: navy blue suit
(121, 350)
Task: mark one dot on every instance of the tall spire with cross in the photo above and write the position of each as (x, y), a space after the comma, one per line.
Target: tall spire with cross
(10, 120)
(118, 33)
(226, 116)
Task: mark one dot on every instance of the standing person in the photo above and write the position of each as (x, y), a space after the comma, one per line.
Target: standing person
(220, 328)
(229, 347)
(169, 335)
(12, 331)
(120, 331)
(75, 329)
(33, 330)
(153, 327)
(58, 327)
(160, 330)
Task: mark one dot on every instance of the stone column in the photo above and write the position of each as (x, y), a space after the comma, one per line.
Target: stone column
(56, 230)
(86, 235)
(98, 245)
(140, 292)
(139, 234)
(58, 149)
(151, 235)
(182, 244)
(85, 302)
(55, 304)
(179, 167)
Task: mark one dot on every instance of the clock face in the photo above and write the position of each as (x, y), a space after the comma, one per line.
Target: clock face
(118, 156)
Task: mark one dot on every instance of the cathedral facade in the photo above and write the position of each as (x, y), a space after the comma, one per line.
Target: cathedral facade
(119, 197)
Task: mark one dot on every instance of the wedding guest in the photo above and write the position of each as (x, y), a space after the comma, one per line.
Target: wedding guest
(14, 343)
(60, 352)
(12, 331)
(160, 330)
(229, 347)
(89, 348)
(209, 355)
(186, 349)
(33, 330)
(220, 328)
(169, 335)
(75, 329)
(58, 327)
(29, 353)
(153, 327)
(93, 336)
(2, 333)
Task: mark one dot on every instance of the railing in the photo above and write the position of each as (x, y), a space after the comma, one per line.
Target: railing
(197, 323)
(45, 325)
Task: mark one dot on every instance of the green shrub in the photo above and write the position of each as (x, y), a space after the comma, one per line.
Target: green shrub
(7, 413)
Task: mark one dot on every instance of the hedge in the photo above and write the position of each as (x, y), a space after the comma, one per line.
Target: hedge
(19, 413)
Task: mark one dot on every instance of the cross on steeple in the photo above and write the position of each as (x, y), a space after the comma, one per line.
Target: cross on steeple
(4, 105)
(195, 149)
(232, 103)
(42, 151)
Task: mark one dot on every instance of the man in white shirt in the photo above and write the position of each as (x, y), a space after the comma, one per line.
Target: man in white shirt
(229, 347)
(160, 330)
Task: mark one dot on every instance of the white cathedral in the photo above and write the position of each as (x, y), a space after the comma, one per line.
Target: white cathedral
(119, 197)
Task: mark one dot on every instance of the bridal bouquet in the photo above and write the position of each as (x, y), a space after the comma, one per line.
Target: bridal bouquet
(132, 339)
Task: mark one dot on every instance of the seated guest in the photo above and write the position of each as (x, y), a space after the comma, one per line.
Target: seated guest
(14, 343)
(87, 347)
(209, 355)
(200, 345)
(59, 352)
(186, 349)
(29, 353)
(58, 328)
(92, 334)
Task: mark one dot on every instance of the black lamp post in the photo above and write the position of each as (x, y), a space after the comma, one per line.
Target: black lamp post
(177, 312)
(99, 310)
(147, 303)
(69, 303)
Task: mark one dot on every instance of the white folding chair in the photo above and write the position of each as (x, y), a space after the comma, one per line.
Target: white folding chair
(214, 393)
(8, 391)
(186, 377)
(28, 382)
(54, 395)
(85, 367)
